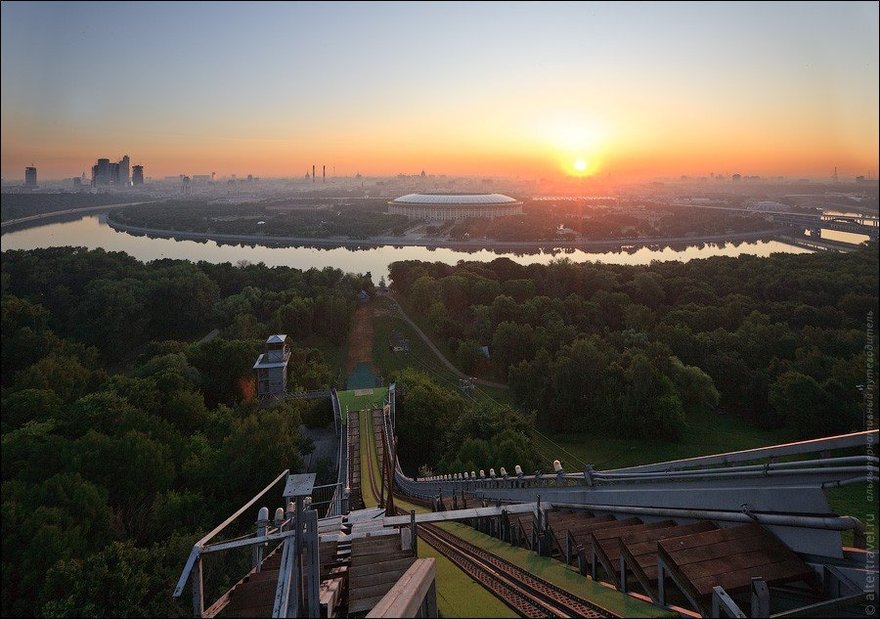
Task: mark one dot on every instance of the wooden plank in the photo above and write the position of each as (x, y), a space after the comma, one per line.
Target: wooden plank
(588, 523)
(360, 606)
(711, 537)
(646, 583)
(733, 563)
(582, 535)
(608, 549)
(646, 541)
(378, 559)
(680, 580)
(729, 558)
(398, 564)
(405, 597)
(379, 578)
(613, 532)
(372, 591)
(722, 550)
(741, 580)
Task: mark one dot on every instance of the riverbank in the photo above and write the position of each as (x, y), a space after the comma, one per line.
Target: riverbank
(475, 244)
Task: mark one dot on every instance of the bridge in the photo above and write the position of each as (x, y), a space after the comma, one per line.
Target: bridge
(867, 226)
(706, 536)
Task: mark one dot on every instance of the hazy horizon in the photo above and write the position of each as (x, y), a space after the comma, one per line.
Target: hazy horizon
(618, 91)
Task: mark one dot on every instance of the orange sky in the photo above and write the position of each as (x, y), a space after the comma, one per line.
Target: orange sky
(633, 91)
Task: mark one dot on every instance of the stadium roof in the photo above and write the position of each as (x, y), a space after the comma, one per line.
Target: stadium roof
(454, 198)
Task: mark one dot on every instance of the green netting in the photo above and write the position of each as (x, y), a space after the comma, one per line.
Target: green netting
(361, 377)
(361, 399)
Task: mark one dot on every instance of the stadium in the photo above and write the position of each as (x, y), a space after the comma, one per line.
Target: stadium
(454, 206)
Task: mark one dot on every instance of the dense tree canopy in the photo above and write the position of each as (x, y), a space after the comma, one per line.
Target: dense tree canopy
(638, 350)
(123, 439)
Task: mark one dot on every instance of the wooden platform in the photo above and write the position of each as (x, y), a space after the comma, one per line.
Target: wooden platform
(254, 596)
(605, 550)
(377, 563)
(580, 534)
(637, 554)
(729, 558)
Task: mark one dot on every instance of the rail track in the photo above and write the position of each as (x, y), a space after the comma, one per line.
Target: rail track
(525, 593)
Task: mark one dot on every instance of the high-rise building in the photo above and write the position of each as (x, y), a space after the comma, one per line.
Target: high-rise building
(102, 173)
(137, 175)
(106, 173)
(124, 172)
(30, 176)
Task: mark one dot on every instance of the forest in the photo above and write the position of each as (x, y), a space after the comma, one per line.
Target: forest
(540, 221)
(125, 436)
(318, 218)
(636, 351)
(124, 439)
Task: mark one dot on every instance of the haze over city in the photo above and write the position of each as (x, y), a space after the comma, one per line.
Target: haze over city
(622, 91)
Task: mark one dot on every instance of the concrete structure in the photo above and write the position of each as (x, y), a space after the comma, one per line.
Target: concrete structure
(454, 206)
(137, 175)
(271, 367)
(30, 176)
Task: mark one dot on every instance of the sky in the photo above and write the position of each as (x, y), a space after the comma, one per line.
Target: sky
(616, 90)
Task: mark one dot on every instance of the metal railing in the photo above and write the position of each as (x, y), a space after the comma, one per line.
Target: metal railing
(328, 497)
(831, 471)
(193, 570)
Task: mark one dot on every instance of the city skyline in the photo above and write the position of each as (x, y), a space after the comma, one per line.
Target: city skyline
(620, 91)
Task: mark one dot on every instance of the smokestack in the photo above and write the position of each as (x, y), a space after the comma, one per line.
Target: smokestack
(313, 173)
(323, 174)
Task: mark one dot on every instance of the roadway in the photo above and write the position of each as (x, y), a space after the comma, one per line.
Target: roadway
(70, 211)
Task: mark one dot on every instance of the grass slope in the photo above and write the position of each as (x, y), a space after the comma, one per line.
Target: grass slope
(386, 322)
(458, 595)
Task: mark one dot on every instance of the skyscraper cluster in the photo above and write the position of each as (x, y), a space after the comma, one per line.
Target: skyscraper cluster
(117, 174)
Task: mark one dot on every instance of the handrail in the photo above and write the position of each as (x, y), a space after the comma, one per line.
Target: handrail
(240, 511)
(198, 547)
(687, 468)
(413, 590)
(842, 441)
(770, 466)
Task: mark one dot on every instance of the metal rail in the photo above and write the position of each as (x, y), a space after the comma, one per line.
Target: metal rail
(519, 589)
(824, 471)
(198, 549)
(527, 594)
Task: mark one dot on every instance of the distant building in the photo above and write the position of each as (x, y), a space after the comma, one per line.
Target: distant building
(105, 173)
(271, 367)
(30, 176)
(123, 177)
(455, 206)
(102, 173)
(137, 175)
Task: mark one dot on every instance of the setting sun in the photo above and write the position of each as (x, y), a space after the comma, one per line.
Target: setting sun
(580, 165)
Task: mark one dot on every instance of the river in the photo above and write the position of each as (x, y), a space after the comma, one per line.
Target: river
(92, 232)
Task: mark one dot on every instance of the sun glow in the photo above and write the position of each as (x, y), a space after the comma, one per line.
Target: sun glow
(580, 166)
(578, 141)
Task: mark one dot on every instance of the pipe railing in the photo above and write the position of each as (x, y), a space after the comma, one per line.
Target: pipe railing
(193, 571)
(841, 470)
